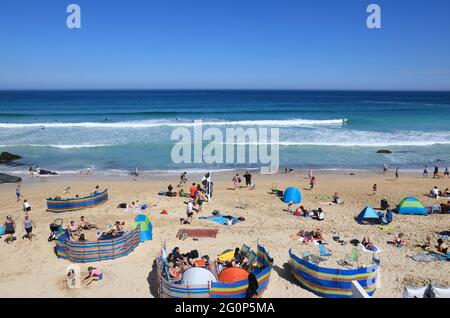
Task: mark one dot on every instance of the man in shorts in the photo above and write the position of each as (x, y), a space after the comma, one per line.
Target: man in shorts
(28, 227)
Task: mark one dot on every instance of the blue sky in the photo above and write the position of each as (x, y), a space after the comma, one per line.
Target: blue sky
(256, 44)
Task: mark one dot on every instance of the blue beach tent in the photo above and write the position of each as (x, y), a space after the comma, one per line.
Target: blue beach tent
(146, 227)
(292, 195)
(368, 215)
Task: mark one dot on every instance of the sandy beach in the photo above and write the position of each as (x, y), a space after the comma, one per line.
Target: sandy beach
(31, 269)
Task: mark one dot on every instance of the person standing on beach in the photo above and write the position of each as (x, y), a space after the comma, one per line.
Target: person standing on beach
(310, 174)
(374, 189)
(312, 182)
(248, 178)
(446, 171)
(236, 180)
(385, 168)
(425, 172)
(397, 173)
(18, 195)
(28, 227)
(183, 179)
(436, 171)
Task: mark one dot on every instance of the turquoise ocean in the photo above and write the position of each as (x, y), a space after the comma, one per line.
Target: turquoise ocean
(114, 131)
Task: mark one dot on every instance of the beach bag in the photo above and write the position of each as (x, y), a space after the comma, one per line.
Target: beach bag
(241, 218)
(122, 206)
(215, 212)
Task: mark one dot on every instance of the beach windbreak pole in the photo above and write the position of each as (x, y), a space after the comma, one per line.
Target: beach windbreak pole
(206, 180)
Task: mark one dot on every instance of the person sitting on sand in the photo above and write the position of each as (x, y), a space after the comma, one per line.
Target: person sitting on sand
(301, 211)
(291, 208)
(368, 245)
(179, 259)
(337, 199)
(446, 193)
(387, 217)
(317, 235)
(427, 245)
(10, 229)
(320, 216)
(441, 246)
(73, 230)
(398, 239)
(94, 275)
(435, 192)
(384, 204)
(174, 271)
(26, 206)
(85, 225)
(374, 188)
(170, 192)
(238, 259)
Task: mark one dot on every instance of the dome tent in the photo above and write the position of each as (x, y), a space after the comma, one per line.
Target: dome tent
(368, 215)
(411, 205)
(233, 274)
(197, 276)
(292, 194)
(146, 227)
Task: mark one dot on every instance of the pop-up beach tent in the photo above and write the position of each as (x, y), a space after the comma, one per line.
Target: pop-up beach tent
(411, 205)
(145, 227)
(292, 195)
(368, 215)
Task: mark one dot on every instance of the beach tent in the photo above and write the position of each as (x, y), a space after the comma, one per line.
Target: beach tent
(232, 274)
(197, 276)
(411, 206)
(368, 215)
(146, 227)
(292, 195)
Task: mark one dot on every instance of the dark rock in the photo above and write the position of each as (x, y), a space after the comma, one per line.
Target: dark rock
(4, 178)
(384, 151)
(47, 172)
(6, 157)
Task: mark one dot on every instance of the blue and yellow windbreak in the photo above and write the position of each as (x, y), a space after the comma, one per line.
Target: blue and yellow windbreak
(76, 204)
(216, 289)
(332, 282)
(84, 252)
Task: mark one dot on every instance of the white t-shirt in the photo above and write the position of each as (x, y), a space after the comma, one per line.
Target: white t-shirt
(435, 192)
(26, 205)
(190, 207)
(321, 216)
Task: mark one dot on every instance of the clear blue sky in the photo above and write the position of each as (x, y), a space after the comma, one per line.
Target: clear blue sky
(260, 44)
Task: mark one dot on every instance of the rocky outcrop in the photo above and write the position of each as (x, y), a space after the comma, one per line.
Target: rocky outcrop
(6, 157)
(384, 151)
(5, 178)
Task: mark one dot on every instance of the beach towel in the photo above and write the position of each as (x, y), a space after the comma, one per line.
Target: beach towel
(221, 219)
(429, 257)
(197, 233)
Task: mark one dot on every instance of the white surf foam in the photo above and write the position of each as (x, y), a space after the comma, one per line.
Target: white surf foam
(159, 123)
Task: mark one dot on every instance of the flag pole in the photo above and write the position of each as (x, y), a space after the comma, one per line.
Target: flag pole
(209, 187)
